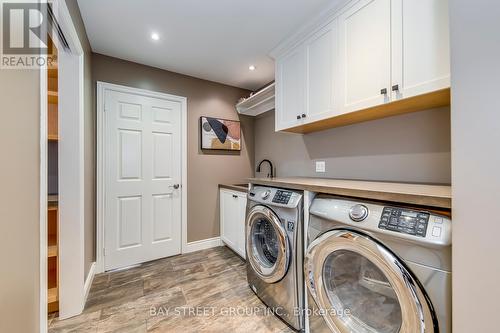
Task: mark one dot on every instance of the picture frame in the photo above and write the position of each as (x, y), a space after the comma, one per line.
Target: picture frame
(220, 134)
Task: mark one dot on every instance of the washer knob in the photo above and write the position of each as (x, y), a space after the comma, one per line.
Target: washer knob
(266, 194)
(358, 212)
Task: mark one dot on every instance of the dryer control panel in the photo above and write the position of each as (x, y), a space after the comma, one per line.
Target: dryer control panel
(403, 220)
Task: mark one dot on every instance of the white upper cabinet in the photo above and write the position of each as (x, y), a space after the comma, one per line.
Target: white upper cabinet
(290, 89)
(420, 47)
(365, 57)
(321, 73)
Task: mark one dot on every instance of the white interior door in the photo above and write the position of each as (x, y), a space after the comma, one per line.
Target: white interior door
(142, 156)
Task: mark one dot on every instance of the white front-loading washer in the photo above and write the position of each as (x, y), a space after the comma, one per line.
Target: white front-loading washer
(377, 267)
(274, 247)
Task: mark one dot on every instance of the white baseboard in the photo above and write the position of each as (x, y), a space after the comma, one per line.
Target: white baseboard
(202, 244)
(88, 282)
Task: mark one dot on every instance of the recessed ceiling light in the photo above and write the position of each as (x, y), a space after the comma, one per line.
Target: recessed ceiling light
(155, 36)
(252, 67)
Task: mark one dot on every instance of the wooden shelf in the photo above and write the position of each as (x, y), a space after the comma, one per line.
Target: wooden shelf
(53, 295)
(53, 300)
(52, 123)
(412, 104)
(52, 251)
(52, 246)
(260, 102)
(52, 72)
(53, 97)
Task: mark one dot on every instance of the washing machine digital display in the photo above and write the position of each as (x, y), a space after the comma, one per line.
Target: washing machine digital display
(404, 220)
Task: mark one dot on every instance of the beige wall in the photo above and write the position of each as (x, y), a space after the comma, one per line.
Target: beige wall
(89, 139)
(413, 147)
(20, 200)
(204, 98)
(475, 124)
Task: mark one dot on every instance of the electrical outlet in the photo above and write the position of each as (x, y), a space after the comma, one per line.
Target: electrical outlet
(320, 166)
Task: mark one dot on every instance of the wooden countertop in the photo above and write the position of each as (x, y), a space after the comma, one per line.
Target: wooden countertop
(235, 187)
(410, 193)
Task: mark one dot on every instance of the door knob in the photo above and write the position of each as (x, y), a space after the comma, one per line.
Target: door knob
(298, 117)
(395, 87)
(303, 115)
(175, 186)
(383, 91)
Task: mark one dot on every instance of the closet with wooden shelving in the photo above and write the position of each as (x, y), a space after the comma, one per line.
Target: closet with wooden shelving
(52, 205)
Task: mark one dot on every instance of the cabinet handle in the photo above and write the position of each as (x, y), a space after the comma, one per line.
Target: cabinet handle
(303, 115)
(298, 117)
(383, 91)
(235, 196)
(395, 87)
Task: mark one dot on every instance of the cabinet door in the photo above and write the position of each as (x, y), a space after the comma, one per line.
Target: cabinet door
(365, 54)
(321, 84)
(290, 89)
(420, 46)
(242, 201)
(228, 218)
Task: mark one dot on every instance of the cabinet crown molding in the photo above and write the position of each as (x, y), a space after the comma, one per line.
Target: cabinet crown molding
(317, 22)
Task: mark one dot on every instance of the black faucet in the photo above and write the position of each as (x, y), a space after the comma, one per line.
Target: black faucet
(270, 166)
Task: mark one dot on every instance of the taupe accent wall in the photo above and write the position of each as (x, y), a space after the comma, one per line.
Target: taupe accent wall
(89, 139)
(204, 98)
(409, 148)
(20, 200)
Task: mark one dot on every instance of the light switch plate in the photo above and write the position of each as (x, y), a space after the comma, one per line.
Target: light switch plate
(320, 166)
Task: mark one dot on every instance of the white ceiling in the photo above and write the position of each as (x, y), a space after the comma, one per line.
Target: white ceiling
(211, 39)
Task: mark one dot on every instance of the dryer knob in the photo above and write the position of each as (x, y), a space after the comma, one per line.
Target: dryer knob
(358, 212)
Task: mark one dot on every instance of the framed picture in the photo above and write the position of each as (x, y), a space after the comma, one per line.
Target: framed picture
(220, 134)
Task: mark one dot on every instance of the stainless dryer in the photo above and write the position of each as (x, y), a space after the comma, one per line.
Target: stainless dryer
(377, 267)
(274, 248)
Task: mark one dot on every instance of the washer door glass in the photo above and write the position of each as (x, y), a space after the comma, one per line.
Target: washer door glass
(361, 286)
(267, 244)
(354, 283)
(265, 240)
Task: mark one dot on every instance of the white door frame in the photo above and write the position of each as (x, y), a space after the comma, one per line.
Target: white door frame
(71, 179)
(101, 181)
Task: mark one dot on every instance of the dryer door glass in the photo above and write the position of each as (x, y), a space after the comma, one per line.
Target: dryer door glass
(360, 293)
(267, 244)
(360, 286)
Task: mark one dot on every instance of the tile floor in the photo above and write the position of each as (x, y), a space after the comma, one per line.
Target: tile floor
(204, 291)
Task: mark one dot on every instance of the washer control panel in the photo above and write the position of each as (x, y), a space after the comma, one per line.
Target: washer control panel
(282, 197)
(275, 196)
(403, 220)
